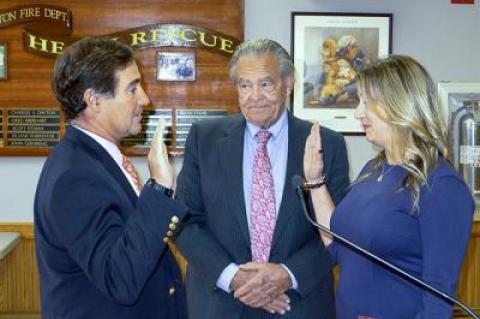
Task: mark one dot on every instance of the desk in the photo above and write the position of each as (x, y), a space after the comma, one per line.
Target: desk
(8, 241)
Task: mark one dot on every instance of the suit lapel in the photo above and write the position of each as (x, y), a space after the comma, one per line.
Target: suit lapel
(97, 152)
(289, 205)
(231, 153)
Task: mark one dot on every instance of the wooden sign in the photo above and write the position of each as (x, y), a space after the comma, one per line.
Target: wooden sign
(31, 121)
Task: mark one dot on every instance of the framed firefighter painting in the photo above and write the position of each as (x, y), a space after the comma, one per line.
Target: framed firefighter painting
(329, 49)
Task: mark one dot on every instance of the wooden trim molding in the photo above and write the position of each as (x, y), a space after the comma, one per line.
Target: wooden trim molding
(24, 228)
(19, 283)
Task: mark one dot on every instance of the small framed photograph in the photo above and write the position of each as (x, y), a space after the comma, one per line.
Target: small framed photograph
(176, 66)
(329, 50)
(3, 61)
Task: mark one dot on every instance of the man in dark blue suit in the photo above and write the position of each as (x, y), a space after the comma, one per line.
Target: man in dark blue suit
(236, 179)
(101, 236)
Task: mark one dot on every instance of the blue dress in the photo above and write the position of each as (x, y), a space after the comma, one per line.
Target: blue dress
(429, 244)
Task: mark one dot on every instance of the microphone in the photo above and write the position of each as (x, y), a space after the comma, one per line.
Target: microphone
(297, 183)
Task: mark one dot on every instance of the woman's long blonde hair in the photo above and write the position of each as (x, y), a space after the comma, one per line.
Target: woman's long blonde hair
(403, 89)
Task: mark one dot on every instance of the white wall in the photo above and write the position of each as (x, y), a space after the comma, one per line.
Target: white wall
(445, 38)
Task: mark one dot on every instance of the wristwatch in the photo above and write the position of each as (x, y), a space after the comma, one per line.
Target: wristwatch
(151, 182)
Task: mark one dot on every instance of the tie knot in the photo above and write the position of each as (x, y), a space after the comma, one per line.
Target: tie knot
(263, 136)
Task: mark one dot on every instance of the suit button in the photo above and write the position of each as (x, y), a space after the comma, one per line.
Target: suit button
(165, 240)
(172, 226)
(171, 291)
(169, 233)
(175, 219)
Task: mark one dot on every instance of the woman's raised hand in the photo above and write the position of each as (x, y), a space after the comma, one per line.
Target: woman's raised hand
(313, 156)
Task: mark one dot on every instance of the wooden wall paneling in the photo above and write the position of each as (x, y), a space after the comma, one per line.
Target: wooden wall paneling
(181, 261)
(28, 85)
(19, 282)
(468, 291)
(3, 287)
(212, 80)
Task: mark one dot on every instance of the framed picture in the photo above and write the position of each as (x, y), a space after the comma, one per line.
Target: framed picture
(176, 66)
(455, 95)
(3, 61)
(457, 99)
(329, 49)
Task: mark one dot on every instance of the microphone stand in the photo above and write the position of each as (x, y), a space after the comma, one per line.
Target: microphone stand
(423, 284)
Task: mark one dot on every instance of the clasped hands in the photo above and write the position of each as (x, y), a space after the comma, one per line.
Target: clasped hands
(263, 285)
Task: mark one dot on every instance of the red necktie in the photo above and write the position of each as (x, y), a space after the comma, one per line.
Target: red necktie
(263, 202)
(128, 166)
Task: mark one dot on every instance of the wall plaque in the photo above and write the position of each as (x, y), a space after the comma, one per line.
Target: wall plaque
(149, 124)
(185, 119)
(32, 128)
(31, 122)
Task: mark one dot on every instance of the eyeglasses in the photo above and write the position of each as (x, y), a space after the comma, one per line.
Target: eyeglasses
(264, 86)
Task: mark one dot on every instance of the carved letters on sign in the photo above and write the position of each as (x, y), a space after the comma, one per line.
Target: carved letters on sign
(51, 27)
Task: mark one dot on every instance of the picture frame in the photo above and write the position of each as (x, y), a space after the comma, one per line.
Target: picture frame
(176, 66)
(3, 62)
(454, 98)
(329, 49)
(452, 95)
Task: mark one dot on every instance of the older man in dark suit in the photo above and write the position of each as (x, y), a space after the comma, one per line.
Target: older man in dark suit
(251, 252)
(101, 236)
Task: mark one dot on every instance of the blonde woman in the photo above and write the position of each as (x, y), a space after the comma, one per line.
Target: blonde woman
(408, 204)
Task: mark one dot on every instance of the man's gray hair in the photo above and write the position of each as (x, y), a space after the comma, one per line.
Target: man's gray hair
(258, 47)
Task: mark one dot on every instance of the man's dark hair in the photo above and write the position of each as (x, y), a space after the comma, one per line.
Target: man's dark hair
(90, 63)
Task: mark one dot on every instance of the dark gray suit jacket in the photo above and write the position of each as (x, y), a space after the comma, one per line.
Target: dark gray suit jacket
(211, 185)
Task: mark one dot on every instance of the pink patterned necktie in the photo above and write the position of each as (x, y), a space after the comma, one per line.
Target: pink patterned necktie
(262, 221)
(128, 166)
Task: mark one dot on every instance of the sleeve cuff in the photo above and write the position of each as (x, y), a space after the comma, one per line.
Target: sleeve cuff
(292, 277)
(226, 277)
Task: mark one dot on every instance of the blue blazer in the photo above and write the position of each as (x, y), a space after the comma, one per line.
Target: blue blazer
(211, 185)
(100, 248)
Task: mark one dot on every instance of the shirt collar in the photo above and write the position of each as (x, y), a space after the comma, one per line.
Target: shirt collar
(109, 146)
(275, 129)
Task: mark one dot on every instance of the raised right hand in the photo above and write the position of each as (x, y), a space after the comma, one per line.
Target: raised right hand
(158, 163)
(313, 156)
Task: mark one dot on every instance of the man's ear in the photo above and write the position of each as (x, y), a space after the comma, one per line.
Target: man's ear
(91, 99)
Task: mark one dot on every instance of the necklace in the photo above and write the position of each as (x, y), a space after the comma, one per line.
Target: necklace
(380, 177)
